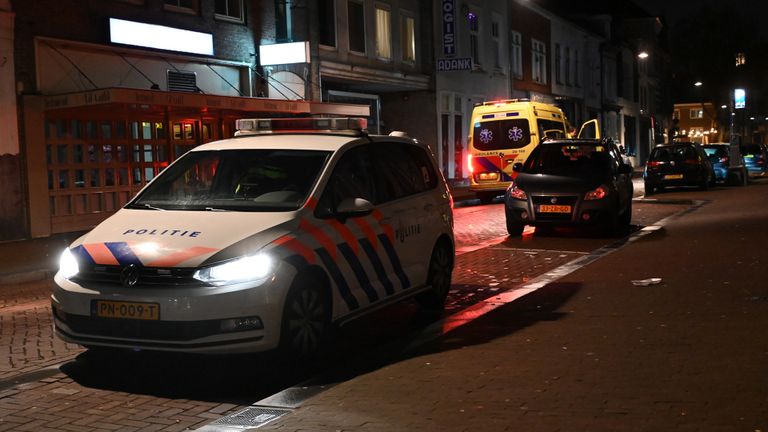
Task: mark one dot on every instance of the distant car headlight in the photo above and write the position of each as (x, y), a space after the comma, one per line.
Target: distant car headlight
(596, 194)
(68, 266)
(518, 193)
(257, 267)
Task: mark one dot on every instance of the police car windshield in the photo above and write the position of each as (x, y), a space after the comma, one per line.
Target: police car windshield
(569, 160)
(235, 180)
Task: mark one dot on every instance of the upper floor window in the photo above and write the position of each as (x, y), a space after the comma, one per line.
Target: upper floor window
(356, 25)
(185, 6)
(496, 44)
(230, 10)
(383, 33)
(676, 114)
(327, 19)
(473, 23)
(741, 59)
(539, 63)
(516, 40)
(696, 113)
(283, 21)
(558, 64)
(576, 68)
(567, 65)
(408, 38)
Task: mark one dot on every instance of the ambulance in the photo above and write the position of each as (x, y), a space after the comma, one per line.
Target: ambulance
(262, 241)
(504, 132)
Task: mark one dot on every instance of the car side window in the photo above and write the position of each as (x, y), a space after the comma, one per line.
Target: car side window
(352, 177)
(403, 174)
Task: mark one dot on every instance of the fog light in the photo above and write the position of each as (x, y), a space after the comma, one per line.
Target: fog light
(524, 215)
(585, 216)
(241, 324)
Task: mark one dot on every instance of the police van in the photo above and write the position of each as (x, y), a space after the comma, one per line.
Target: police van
(505, 132)
(262, 241)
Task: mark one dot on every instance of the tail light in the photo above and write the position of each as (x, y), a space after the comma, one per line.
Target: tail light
(469, 164)
(654, 163)
(596, 194)
(724, 160)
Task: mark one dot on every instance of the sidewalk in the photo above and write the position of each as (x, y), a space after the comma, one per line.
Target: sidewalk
(35, 259)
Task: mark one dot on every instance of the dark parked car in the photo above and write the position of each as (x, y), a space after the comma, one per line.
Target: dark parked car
(571, 182)
(755, 158)
(727, 163)
(678, 164)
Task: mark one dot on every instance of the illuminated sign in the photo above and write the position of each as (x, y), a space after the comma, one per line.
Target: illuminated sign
(449, 26)
(285, 53)
(739, 98)
(160, 37)
(454, 64)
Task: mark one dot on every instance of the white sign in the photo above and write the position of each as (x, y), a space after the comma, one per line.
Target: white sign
(284, 53)
(160, 37)
(454, 64)
(739, 98)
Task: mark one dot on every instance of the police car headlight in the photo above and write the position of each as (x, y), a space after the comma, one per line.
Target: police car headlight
(68, 264)
(250, 268)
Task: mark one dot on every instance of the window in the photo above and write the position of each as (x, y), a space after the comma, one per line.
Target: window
(408, 39)
(185, 6)
(567, 65)
(356, 26)
(517, 54)
(283, 21)
(495, 43)
(676, 114)
(539, 63)
(383, 33)
(697, 113)
(473, 23)
(558, 65)
(327, 19)
(230, 10)
(741, 59)
(576, 66)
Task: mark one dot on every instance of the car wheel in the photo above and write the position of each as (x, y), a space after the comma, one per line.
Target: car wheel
(514, 228)
(626, 217)
(439, 277)
(486, 197)
(306, 320)
(648, 188)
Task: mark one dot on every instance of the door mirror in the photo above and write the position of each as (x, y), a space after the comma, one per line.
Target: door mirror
(589, 130)
(517, 167)
(352, 207)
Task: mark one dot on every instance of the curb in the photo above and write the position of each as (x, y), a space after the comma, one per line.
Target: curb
(25, 276)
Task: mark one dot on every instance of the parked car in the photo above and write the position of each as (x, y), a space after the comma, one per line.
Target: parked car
(262, 241)
(727, 162)
(571, 182)
(755, 158)
(678, 164)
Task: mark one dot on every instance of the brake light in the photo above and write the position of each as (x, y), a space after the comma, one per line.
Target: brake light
(596, 194)
(469, 164)
(724, 160)
(654, 163)
(518, 193)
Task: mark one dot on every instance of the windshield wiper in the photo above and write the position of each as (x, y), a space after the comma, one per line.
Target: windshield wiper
(213, 209)
(146, 206)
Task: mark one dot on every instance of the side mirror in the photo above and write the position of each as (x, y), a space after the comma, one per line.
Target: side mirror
(352, 207)
(625, 169)
(517, 167)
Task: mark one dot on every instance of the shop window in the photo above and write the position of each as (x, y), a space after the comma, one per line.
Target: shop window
(121, 154)
(146, 130)
(109, 177)
(76, 129)
(137, 176)
(77, 153)
(79, 178)
(91, 130)
(148, 153)
(63, 179)
(106, 130)
(61, 154)
(95, 179)
(149, 173)
(92, 153)
(106, 151)
(120, 130)
(136, 153)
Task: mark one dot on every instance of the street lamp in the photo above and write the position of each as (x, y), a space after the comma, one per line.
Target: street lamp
(698, 83)
(642, 55)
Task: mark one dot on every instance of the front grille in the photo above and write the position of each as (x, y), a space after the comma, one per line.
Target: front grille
(149, 277)
(178, 331)
(560, 200)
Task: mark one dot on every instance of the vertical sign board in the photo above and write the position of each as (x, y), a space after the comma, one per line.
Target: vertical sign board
(449, 27)
(739, 98)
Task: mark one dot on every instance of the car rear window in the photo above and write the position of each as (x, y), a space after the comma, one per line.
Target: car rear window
(579, 160)
(716, 152)
(674, 153)
(501, 134)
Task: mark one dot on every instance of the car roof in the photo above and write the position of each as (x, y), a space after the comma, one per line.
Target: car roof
(573, 141)
(297, 141)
